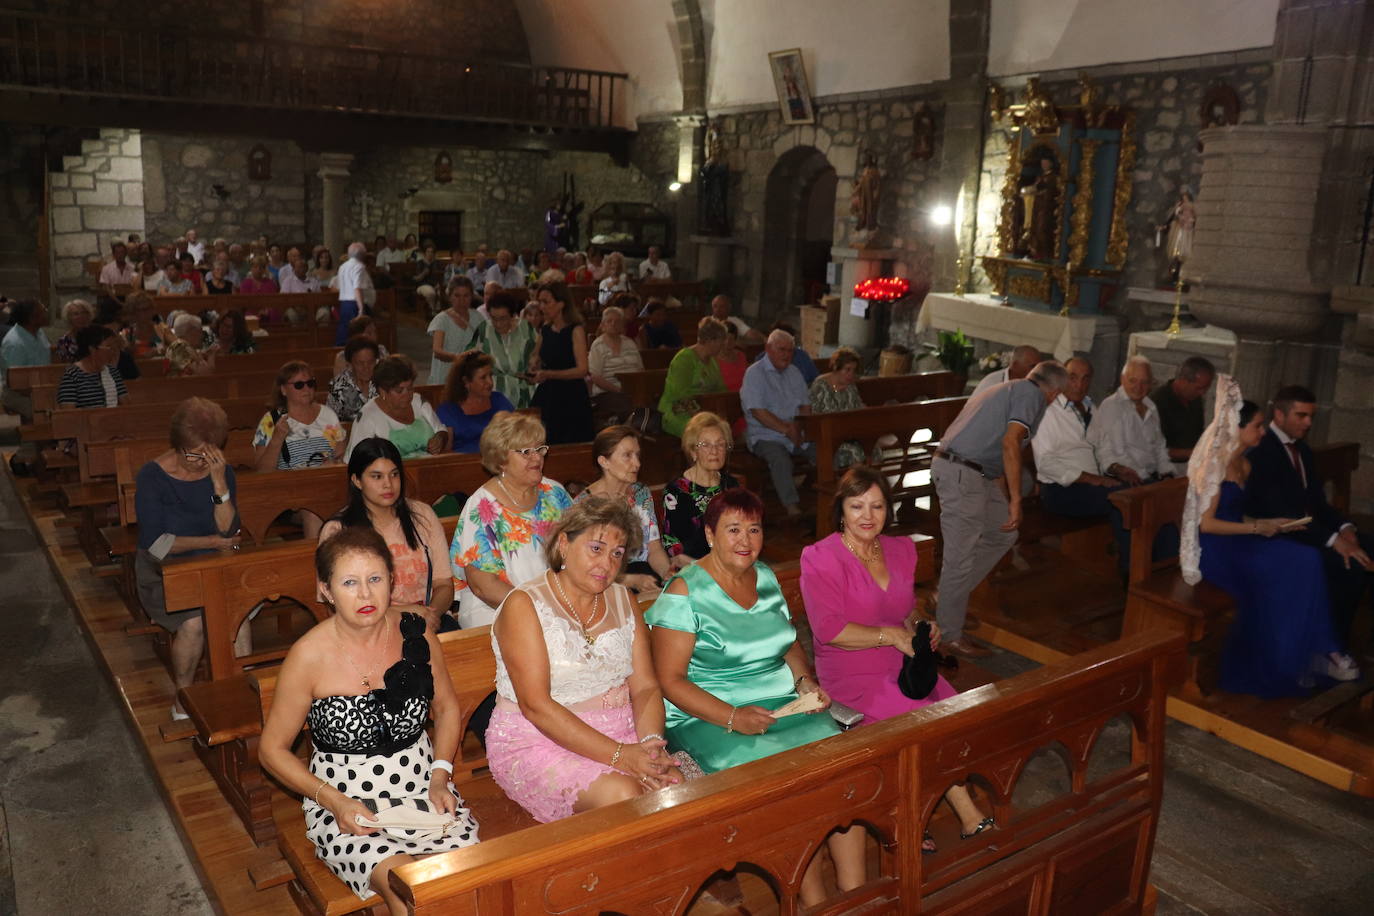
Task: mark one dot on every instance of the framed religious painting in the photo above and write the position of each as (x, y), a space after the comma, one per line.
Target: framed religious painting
(794, 94)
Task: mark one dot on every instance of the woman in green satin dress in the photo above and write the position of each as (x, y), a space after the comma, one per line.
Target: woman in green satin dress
(726, 654)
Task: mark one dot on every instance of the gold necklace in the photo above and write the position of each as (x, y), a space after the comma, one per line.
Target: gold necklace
(365, 675)
(572, 611)
(500, 482)
(873, 552)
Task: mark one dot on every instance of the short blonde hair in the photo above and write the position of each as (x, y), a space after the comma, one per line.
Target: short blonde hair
(506, 431)
(843, 355)
(691, 433)
(76, 305)
(596, 512)
(709, 329)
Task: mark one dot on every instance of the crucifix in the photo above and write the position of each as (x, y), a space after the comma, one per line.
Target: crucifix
(365, 200)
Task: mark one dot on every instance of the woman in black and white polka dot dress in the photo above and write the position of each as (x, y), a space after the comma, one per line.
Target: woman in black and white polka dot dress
(371, 750)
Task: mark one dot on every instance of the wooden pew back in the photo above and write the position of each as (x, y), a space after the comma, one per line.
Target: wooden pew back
(217, 387)
(1087, 851)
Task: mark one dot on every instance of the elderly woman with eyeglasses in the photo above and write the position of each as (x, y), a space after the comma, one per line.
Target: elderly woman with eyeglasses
(500, 537)
(185, 503)
(78, 314)
(399, 414)
(706, 441)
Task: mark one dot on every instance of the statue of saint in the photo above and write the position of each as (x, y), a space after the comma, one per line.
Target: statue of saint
(1039, 115)
(1178, 233)
(863, 203)
(712, 217)
(1040, 205)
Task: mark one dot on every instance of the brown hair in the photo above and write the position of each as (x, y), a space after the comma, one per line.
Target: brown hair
(559, 290)
(709, 329)
(842, 356)
(857, 481)
(464, 370)
(393, 372)
(608, 440)
(351, 539)
(198, 420)
(284, 374)
(594, 512)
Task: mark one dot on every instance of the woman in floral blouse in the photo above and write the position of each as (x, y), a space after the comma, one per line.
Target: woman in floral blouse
(499, 541)
(835, 391)
(707, 442)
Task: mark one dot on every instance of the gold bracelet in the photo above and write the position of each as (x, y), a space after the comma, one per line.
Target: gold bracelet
(730, 722)
(882, 636)
(615, 758)
(317, 790)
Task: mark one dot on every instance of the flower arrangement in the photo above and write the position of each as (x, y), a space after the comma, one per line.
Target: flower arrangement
(954, 351)
(994, 361)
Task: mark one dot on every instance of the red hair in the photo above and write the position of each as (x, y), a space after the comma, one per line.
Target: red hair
(736, 499)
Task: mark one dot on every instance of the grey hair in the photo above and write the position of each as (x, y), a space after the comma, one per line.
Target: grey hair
(1025, 353)
(779, 336)
(357, 250)
(612, 311)
(1049, 375)
(1137, 360)
(1194, 366)
(184, 322)
(74, 305)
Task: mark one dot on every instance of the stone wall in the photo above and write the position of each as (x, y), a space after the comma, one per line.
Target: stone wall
(181, 171)
(21, 208)
(95, 199)
(1166, 102)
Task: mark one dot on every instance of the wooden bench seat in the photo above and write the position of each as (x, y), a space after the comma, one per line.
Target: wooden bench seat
(1087, 852)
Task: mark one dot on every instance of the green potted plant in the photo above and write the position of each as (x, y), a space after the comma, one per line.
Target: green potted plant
(954, 351)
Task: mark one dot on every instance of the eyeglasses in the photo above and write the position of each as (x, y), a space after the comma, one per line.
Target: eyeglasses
(305, 383)
(540, 450)
(711, 447)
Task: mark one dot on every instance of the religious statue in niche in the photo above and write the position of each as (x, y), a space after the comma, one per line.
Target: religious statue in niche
(555, 226)
(259, 163)
(1033, 222)
(1175, 234)
(923, 134)
(863, 202)
(1220, 106)
(443, 168)
(712, 217)
(1039, 115)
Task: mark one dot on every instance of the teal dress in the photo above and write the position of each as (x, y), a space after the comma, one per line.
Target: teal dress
(738, 658)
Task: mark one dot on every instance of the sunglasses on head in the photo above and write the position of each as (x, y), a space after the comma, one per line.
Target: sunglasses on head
(306, 383)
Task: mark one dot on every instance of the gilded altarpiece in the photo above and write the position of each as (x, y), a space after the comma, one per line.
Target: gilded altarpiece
(1062, 229)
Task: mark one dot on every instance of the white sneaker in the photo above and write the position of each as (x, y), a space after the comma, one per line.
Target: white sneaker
(1342, 667)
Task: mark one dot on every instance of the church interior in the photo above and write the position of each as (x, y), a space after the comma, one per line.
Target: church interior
(961, 199)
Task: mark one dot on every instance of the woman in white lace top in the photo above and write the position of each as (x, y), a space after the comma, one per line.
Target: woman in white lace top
(579, 713)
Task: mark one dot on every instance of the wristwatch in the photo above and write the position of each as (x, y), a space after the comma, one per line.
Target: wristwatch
(219, 499)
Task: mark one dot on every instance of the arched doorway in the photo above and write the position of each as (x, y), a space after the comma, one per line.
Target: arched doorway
(799, 228)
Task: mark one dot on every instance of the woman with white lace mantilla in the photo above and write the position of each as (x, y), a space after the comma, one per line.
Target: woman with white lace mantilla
(579, 714)
(365, 681)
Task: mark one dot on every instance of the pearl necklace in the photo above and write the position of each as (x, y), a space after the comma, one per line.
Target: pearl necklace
(874, 552)
(572, 612)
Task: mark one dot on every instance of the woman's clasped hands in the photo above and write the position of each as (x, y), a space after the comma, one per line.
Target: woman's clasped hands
(648, 762)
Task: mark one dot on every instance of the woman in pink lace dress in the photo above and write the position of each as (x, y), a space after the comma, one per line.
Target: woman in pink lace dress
(579, 713)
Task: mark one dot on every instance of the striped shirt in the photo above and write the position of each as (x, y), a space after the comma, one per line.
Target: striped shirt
(80, 388)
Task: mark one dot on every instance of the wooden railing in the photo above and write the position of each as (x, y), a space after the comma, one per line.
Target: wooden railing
(45, 53)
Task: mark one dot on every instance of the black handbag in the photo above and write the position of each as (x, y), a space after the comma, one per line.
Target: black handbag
(920, 670)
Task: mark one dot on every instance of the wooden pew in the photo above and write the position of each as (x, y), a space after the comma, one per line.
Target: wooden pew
(1085, 852)
(869, 425)
(1158, 598)
(217, 387)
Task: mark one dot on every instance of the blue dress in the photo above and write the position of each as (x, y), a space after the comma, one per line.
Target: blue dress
(467, 427)
(1283, 614)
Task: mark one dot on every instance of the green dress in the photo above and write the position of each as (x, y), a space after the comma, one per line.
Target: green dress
(511, 354)
(687, 377)
(738, 658)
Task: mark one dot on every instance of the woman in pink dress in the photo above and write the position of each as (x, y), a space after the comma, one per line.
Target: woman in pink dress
(858, 585)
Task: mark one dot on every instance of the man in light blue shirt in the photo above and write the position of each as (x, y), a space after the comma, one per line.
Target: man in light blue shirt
(505, 273)
(800, 358)
(773, 396)
(24, 345)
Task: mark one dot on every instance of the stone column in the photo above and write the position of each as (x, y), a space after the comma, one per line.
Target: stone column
(334, 173)
(854, 265)
(1250, 270)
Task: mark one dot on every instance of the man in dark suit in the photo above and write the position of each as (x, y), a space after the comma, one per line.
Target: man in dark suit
(1283, 484)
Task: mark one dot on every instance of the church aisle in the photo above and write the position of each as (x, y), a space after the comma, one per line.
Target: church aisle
(85, 821)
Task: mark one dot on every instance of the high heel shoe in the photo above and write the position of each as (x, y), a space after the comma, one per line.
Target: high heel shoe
(986, 823)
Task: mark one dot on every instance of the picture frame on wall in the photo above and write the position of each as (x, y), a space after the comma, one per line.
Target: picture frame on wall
(794, 92)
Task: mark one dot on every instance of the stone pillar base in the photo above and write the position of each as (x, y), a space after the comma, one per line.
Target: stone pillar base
(854, 265)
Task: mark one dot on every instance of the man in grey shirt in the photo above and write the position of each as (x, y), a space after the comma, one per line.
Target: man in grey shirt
(773, 396)
(979, 514)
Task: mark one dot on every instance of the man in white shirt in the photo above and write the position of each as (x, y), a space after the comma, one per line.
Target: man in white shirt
(294, 278)
(161, 256)
(1126, 433)
(353, 283)
(389, 254)
(720, 310)
(195, 246)
(118, 272)
(1023, 359)
(651, 268)
(504, 272)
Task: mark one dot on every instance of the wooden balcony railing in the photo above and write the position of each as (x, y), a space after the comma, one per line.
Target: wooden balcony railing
(46, 54)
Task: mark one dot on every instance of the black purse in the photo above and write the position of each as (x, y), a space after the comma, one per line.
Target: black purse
(920, 670)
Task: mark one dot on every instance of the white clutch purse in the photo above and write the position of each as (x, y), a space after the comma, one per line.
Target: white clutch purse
(411, 819)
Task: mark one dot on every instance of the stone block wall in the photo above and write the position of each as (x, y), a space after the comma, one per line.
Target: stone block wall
(21, 208)
(96, 198)
(1166, 100)
(181, 170)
